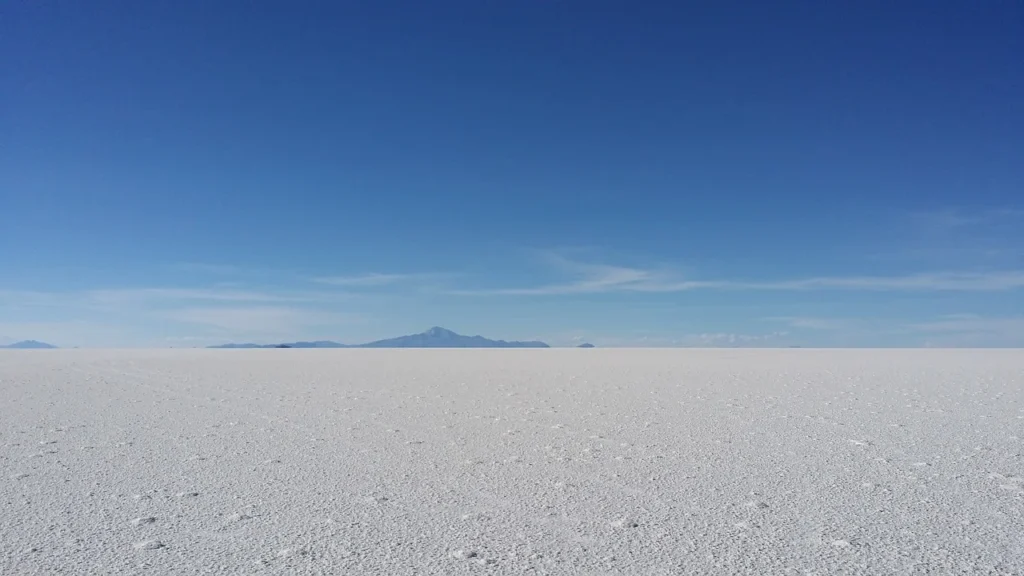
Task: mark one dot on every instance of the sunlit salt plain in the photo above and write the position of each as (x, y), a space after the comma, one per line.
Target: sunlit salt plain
(512, 462)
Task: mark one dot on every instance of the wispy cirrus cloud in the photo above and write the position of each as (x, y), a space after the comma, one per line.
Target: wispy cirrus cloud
(148, 316)
(207, 268)
(931, 281)
(37, 298)
(139, 295)
(950, 219)
(955, 234)
(685, 340)
(365, 280)
(66, 333)
(732, 339)
(815, 323)
(1011, 327)
(376, 279)
(589, 278)
(259, 321)
(953, 330)
(122, 298)
(600, 278)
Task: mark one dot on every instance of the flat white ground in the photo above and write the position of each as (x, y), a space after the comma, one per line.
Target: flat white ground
(512, 462)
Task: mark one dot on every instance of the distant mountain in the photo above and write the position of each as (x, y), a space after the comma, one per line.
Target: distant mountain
(29, 345)
(436, 337)
(317, 344)
(586, 345)
(249, 345)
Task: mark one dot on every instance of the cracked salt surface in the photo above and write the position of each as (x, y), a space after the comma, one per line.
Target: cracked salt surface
(511, 462)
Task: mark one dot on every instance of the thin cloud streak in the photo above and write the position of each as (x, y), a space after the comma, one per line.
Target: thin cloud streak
(690, 340)
(204, 268)
(1009, 326)
(953, 218)
(938, 281)
(157, 297)
(112, 296)
(259, 320)
(952, 330)
(66, 334)
(597, 279)
(815, 323)
(364, 280)
(374, 279)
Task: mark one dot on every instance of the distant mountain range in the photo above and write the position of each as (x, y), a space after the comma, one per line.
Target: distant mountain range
(586, 345)
(436, 337)
(317, 344)
(29, 345)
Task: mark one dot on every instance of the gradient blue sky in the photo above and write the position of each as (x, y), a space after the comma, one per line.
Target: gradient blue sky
(180, 173)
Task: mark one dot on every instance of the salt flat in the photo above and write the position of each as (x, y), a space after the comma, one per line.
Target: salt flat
(512, 462)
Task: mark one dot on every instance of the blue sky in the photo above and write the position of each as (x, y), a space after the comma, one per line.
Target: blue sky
(664, 174)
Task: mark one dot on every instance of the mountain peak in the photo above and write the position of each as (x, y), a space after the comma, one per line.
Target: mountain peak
(30, 345)
(436, 337)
